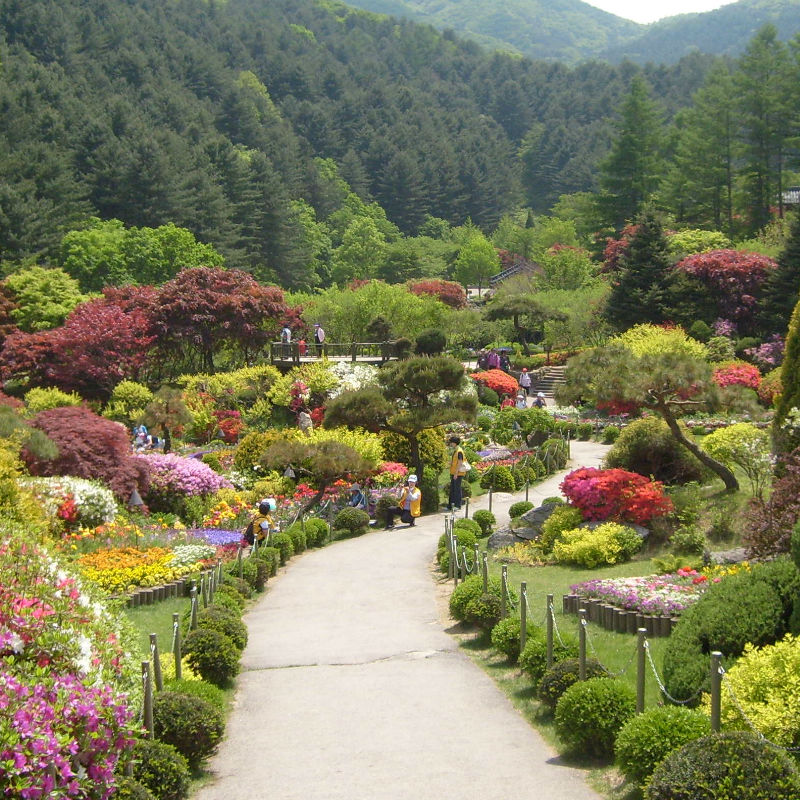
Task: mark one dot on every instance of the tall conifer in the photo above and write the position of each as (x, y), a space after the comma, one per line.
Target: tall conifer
(780, 293)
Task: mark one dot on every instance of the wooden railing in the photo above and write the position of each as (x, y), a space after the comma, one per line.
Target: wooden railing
(340, 351)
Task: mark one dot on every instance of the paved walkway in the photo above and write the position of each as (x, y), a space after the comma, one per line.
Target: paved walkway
(352, 690)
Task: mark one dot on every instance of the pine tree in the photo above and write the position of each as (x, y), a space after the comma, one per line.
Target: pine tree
(784, 438)
(780, 293)
(639, 294)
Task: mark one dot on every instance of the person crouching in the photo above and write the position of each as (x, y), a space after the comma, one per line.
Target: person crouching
(409, 504)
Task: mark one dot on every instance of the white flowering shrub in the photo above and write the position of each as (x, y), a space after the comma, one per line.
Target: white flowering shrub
(95, 503)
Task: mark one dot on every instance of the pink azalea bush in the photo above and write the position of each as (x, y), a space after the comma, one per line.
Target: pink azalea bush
(389, 473)
(171, 474)
(737, 373)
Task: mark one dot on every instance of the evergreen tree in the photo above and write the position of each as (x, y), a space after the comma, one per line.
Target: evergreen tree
(631, 172)
(639, 293)
(780, 293)
(786, 437)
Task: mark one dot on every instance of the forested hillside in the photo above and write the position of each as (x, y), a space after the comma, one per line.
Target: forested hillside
(211, 116)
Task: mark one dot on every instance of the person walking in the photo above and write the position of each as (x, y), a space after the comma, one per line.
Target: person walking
(319, 338)
(459, 467)
(525, 381)
(286, 341)
(409, 504)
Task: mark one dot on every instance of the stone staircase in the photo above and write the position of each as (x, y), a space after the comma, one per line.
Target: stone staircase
(547, 380)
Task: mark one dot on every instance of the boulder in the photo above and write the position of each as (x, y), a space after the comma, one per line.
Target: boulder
(734, 556)
(504, 537)
(536, 517)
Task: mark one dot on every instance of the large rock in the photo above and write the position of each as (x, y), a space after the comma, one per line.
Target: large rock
(503, 537)
(734, 556)
(536, 517)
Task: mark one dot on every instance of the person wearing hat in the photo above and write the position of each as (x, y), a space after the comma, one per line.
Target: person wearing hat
(459, 467)
(357, 497)
(525, 381)
(521, 401)
(540, 402)
(262, 523)
(409, 504)
(319, 338)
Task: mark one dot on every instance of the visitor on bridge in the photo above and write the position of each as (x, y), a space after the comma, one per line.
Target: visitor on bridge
(525, 381)
(319, 338)
(286, 340)
(409, 504)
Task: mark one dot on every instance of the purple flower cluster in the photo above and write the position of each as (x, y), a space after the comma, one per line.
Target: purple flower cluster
(172, 474)
(654, 594)
(61, 738)
(770, 353)
(217, 537)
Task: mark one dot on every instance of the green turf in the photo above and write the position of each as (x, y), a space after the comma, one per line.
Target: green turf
(156, 619)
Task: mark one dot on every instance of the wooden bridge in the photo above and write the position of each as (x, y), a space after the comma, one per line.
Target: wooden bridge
(282, 354)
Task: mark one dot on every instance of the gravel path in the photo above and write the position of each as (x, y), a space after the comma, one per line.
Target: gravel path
(351, 688)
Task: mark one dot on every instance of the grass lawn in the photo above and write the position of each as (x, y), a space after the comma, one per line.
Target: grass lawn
(156, 619)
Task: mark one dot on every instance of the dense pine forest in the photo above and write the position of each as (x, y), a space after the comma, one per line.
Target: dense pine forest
(274, 131)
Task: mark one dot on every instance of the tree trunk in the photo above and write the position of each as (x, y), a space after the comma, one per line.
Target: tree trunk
(167, 440)
(416, 460)
(728, 478)
(523, 339)
(314, 500)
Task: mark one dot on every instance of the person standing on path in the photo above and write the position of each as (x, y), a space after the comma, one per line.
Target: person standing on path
(409, 504)
(458, 469)
(319, 338)
(525, 381)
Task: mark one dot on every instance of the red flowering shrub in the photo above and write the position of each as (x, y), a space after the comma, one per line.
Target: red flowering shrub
(734, 279)
(770, 387)
(497, 380)
(616, 248)
(230, 424)
(449, 292)
(617, 407)
(615, 494)
(738, 373)
(317, 415)
(88, 447)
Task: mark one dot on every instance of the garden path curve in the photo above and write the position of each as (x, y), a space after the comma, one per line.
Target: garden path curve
(352, 690)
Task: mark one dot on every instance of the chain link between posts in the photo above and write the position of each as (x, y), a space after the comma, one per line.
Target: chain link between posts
(593, 652)
(660, 683)
(555, 625)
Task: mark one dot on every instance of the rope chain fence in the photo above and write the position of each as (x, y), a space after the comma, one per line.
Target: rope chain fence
(660, 683)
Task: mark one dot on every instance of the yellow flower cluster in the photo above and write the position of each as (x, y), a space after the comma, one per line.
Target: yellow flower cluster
(225, 511)
(124, 568)
(724, 570)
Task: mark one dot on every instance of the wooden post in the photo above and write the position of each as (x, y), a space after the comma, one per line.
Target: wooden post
(176, 645)
(549, 629)
(241, 567)
(193, 624)
(523, 615)
(582, 644)
(154, 654)
(716, 691)
(204, 590)
(148, 699)
(211, 581)
(477, 554)
(354, 352)
(466, 508)
(504, 592)
(641, 644)
(485, 572)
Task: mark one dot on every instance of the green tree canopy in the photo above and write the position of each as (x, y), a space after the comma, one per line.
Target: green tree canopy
(477, 261)
(44, 297)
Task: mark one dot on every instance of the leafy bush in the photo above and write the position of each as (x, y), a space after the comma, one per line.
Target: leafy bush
(432, 448)
(647, 446)
(584, 430)
(749, 607)
(202, 689)
(484, 610)
(250, 449)
(468, 525)
(298, 537)
(506, 636)
(240, 586)
(212, 655)
(518, 509)
(225, 621)
(616, 494)
(429, 486)
(466, 536)
(647, 739)
(720, 348)
(284, 544)
(611, 434)
(190, 724)
(487, 397)
(562, 675)
(128, 402)
(316, 532)
(563, 518)
(129, 789)
(40, 399)
(609, 543)
(533, 659)
(471, 590)
(554, 454)
(250, 573)
(745, 446)
(161, 769)
(430, 342)
(725, 766)
(227, 602)
(353, 520)
(486, 520)
(271, 557)
(212, 460)
(688, 540)
(498, 478)
(590, 714)
(770, 387)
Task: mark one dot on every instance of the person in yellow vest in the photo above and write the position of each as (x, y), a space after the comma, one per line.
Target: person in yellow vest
(409, 504)
(458, 469)
(262, 524)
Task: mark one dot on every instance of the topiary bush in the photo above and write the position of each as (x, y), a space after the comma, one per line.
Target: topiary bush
(430, 342)
(533, 659)
(249, 571)
(316, 532)
(212, 655)
(271, 557)
(161, 769)
(463, 524)
(226, 600)
(498, 478)
(298, 537)
(647, 446)
(562, 675)
(486, 520)
(609, 543)
(611, 434)
(506, 636)
(129, 789)
(190, 724)
(429, 486)
(284, 544)
(465, 537)
(752, 606)
(518, 509)
(225, 621)
(647, 739)
(234, 582)
(563, 518)
(202, 689)
(469, 590)
(725, 766)
(585, 430)
(353, 520)
(484, 610)
(590, 714)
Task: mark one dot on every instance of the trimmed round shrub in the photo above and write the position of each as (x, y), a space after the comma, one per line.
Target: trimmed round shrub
(554, 501)
(563, 518)
(212, 460)
(316, 532)
(465, 537)
(298, 537)
(483, 611)
(202, 689)
(430, 342)
(468, 525)
(470, 590)
(212, 655)
(486, 520)
(611, 434)
(518, 509)
(498, 478)
(725, 766)
(352, 519)
(129, 789)
(190, 724)
(225, 621)
(590, 714)
(648, 447)
(237, 584)
(562, 675)
(284, 544)
(226, 601)
(608, 543)
(647, 739)
(161, 769)
(271, 557)
(250, 572)
(533, 659)
(429, 486)
(506, 636)
(585, 430)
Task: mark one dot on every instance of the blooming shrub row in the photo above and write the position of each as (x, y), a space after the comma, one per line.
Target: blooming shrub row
(171, 474)
(89, 502)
